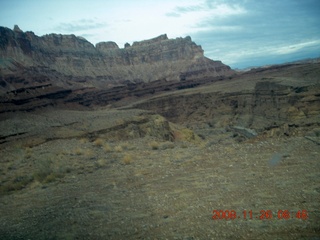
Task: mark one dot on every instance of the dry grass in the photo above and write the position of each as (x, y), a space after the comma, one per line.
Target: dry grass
(43, 170)
(83, 140)
(126, 146)
(48, 170)
(107, 148)
(78, 151)
(88, 153)
(98, 142)
(154, 145)
(101, 163)
(186, 134)
(127, 159)
(159, 120)
(17, 183)
(28, 152)
(118, 148)
(167, 145)
(120, 121)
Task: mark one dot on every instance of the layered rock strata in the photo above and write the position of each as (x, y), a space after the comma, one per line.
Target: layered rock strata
(68, 56)
(40, 71)
(278, 100)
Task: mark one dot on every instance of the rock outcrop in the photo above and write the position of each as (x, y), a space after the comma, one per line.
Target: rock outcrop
(39, 71)
(68, 56)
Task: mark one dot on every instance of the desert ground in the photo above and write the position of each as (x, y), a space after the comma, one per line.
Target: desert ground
(73, 179)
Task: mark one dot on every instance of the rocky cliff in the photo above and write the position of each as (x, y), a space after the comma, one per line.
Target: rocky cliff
(75, 61)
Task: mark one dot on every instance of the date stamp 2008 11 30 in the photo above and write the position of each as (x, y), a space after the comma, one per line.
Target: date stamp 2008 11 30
(262, 215)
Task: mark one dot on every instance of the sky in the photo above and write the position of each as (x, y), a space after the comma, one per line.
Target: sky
(240, 33)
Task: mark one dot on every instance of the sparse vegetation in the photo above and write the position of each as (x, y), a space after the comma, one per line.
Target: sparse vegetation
(45, 172)
(159, 120)
(120, 122)
(101, 163)
(167, 145)
(98, 142)
(162, 146)
(107, 148)
(88, 153)
(83, 140)
(54, 176)
(186, 134)
(78, 151)
(127, 159)
(118, 148)
(154, 145)
(18, 183)
(28, 152)
(126, 146)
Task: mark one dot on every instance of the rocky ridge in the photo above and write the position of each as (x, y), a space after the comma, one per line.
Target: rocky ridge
(71, 57)
(52, 69)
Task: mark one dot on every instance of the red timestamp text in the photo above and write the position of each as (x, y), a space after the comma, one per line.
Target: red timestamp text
(262, 215)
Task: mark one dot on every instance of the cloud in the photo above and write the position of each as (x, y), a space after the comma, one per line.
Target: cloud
(208, 9)
(255, 54)
(79, 26)
(249, 33)
(219, 28)
(172, 14)
(206, 16)
(190, 8)
(292, 48)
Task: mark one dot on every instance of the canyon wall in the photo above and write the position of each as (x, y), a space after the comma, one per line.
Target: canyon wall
(73, 61)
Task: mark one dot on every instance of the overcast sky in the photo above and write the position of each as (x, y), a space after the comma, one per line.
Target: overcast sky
(240, 33)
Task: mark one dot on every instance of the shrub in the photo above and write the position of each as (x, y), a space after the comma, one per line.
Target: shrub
(167, 145)
(98, 142)
(154, 145)
(78, 151)
(88, 153)
(127, 146)
(127, 159)
(28, 152)
(53, 176)
(101, 163)
(18, 183)
(83, 140)
(118, 149)
(186, 134)
(46, 173)
(43, 169)
(107, 148)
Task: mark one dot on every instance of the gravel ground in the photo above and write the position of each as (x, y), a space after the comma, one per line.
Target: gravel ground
(135, 190)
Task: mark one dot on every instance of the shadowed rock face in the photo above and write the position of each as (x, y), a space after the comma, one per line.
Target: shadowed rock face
(105, 63)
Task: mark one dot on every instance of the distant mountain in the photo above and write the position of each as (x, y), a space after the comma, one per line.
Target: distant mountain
(40, 71)
(302, 61)
(73, 61)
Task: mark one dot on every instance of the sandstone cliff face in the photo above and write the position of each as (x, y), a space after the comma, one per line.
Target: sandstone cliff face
(68, 57)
